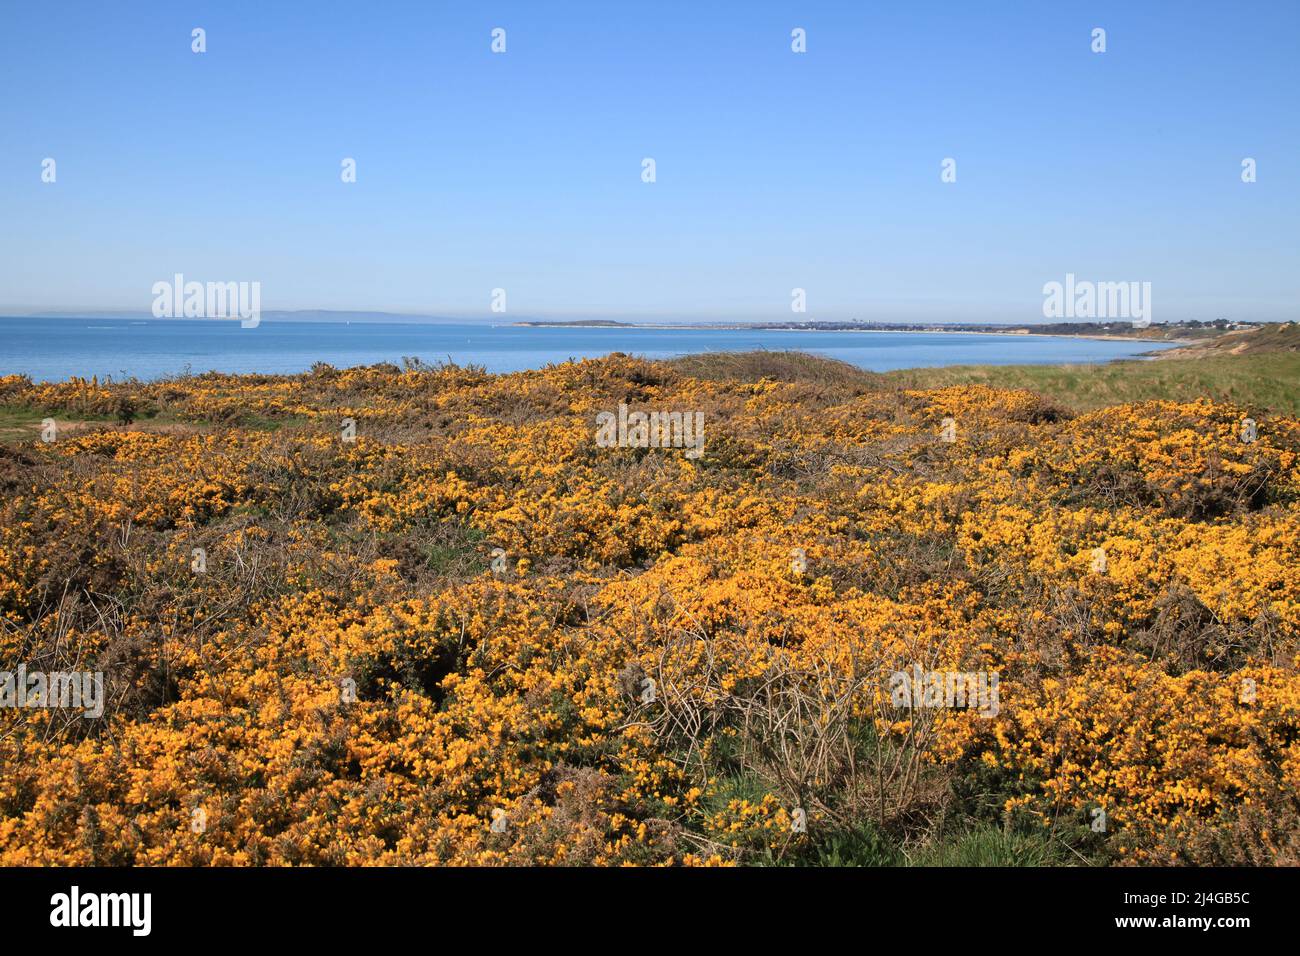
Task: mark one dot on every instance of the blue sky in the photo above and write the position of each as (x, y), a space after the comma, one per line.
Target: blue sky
(775, 170)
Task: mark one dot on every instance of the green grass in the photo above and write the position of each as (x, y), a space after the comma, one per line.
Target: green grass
(1265, 381)
(20, 422)
(1269, 381)
(982, 845)
(460, 554)
(989, 846)
(23, 422)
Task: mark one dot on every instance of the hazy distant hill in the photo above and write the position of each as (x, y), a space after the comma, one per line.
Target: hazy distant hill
(275, 315)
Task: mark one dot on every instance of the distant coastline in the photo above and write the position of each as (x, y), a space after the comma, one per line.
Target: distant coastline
(1182, 333)
(1174, 333)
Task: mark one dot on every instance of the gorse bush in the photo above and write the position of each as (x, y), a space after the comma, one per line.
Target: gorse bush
(459, 631)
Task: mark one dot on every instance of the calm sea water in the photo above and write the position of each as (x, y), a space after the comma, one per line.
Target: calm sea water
(56, 349)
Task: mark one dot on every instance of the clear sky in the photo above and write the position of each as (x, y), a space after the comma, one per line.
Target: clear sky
(775, 170)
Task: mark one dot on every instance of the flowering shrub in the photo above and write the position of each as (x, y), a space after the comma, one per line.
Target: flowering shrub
(469, 634)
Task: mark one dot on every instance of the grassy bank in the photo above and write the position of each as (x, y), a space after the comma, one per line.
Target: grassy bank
(1257, 367)
(1268, 381)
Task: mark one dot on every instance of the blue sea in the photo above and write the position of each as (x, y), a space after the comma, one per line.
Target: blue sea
(55, 349)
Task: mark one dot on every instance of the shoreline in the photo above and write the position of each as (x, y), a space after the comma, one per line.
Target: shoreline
(1018, 333)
